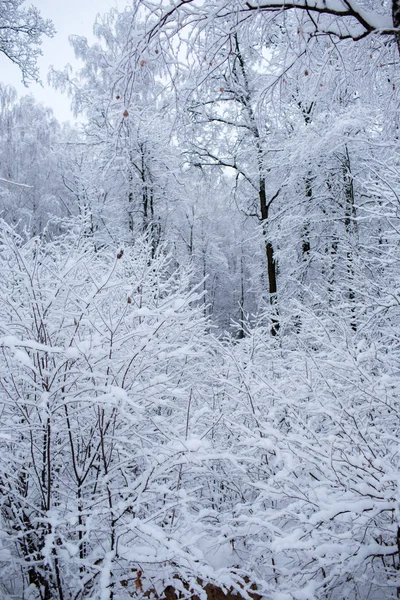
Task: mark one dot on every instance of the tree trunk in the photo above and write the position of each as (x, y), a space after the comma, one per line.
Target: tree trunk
(269, 250)
(350, 225)
(396, 18)
(306, 244)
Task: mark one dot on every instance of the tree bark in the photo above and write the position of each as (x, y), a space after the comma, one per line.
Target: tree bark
(269, 250)
(350, 225)
(396, 19)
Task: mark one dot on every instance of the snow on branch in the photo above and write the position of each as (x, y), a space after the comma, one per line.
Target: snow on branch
(350, 19)
(368, 20)
(24, 185)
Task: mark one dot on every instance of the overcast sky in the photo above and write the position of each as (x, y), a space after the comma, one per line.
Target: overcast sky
(69, 17)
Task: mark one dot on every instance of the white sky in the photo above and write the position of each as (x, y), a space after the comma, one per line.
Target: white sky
(69, 17)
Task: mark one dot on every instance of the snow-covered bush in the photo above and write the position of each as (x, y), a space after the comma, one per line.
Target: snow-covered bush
(103, 403)
(312, 426)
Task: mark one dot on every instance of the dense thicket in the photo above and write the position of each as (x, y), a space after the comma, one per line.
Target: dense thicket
(199, 310)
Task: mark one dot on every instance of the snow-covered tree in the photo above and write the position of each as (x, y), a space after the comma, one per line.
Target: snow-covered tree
(31, 188)
(21, 32)
(128, 133)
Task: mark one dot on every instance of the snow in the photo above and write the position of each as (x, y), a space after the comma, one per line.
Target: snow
(156, 428)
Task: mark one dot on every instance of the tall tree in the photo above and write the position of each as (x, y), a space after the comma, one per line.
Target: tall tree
(230, 135)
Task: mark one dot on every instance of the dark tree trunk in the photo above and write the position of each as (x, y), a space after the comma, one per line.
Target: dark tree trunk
(264, 209)
(242, 296)
(396, 12)
(269, 250)
(350, 225)
(306, 245)
(396, 18)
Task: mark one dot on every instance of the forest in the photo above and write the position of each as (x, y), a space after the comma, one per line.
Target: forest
(200, 305)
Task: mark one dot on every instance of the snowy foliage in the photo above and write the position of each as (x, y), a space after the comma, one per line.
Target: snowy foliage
(199, 310)
(21, 31)
(100, 382)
